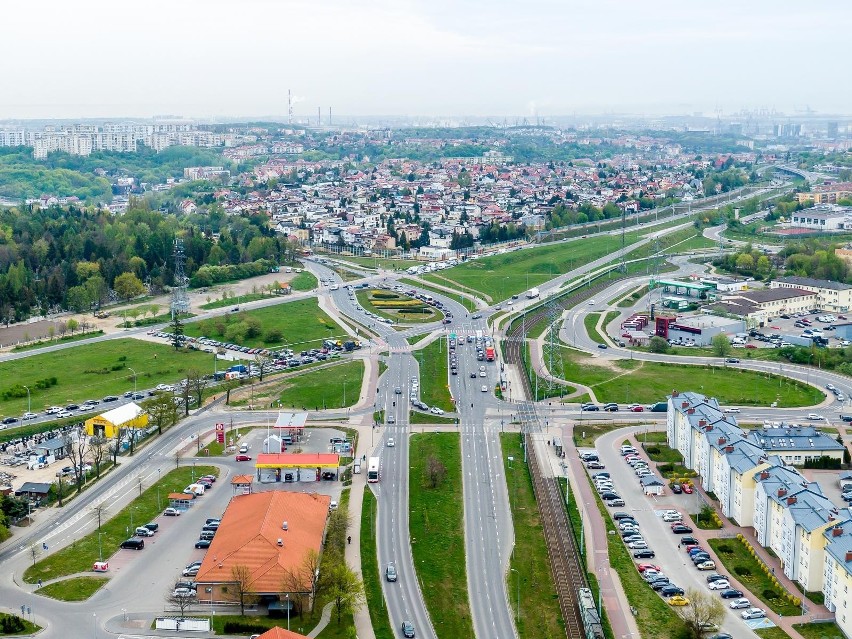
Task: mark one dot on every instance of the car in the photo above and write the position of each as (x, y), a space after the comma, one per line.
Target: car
(243, 458)
(719, 584)
(753, 613)
(397, 391)
(191, 570)
(644, 567)
(671, 590)
(10, 420)
(390, 443)
(672, 517)
(27, 416)
(659, 584)
(815, 417)
(153, 527)
(731, 593)
(71, 407)
(64, 413)
(602, 346)
(476, 316)
(484, 388)
(171, 512)
(110, 398)
(636, 409)
(183, 593)
(473, 375)
(589, 407)
(700, 557)
(732, 360)
(687, 488)
(390, 572)
(708, 564)
(741, 602)
(329, 475)
(436, 411)
(688, 540)
(681, 529)
(611, 407)
(407, 629)
(715, 576)
(391, 419)
(203, 543)
(615, 503)
(732, 409)
(212, 520)
(678, 600)
(676, 489)
(646, 553)
(633, 536)
(722, 635)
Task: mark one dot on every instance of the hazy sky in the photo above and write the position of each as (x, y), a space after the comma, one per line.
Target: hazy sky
(210, 58)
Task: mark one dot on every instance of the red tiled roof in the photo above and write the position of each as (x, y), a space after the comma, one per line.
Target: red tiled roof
(280, 633)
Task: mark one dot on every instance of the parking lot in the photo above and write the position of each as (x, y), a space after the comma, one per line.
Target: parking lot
(796, 325)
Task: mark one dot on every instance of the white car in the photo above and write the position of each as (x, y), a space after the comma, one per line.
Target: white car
(672, 515)
(637, 545)
(183, 593)
(29, 416)
(732, 409)
(64, 413)
(436, 411)
(391, 443)
(753, 613)
(742, 602)
(719, 584)
(53, 410)
(815, 417)
(484, 388)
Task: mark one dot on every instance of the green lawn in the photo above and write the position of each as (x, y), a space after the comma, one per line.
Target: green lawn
(416, 417)
(540, 616)
(57, 340)
(647, 382)
(91, 371)
(663, 453)
(236, 300)
(500, 276)
(773, 633)
(634, 297)
(680, 241)
(436, 527)
(82, 553)
(586, 433)
(590, 321)
(398, 307)
(819, 630)
(370, 570)
(74, 589)
(434, 381)
(331, 387)
(299, 325)
(27, 627)
(304, 281)
(654, 616)
(737, 560)
(378, 262)
(461, 299)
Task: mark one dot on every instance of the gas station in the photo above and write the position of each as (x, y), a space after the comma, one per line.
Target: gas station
(295, 467)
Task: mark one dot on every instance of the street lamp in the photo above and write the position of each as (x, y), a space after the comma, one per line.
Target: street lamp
(28, 398)
(287, 596)
(518, 609)
(134, 381)
(100, 548)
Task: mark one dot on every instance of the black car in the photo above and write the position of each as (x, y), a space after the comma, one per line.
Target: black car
(681, 529)
(610, 496)
(329, 475)
(611, 407)
(133, 543)
(647, 553)
(676, 489)
(688, 541)
(473, 375)
(602, 346)
(203, 543)
(700, 557)
(731, 593)
(732, 360)
(715, 577)
(671, 590)
(10, 420)
(659, 584)
(590, 407)
(72, 407)
(152, 527)
(110, 398)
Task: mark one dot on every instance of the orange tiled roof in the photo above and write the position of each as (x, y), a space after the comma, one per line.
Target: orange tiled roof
(280, 633)
(242, 479)
(249, 532)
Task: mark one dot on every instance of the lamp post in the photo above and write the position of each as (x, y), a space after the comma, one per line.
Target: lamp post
(100, 548)
(158, 490)
(134, 381)
(28, 398)
(287, 595)
(518, 609)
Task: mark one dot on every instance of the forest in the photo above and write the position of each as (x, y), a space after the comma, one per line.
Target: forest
(77, 259)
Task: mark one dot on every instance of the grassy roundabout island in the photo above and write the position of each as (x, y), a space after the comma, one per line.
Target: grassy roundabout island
(398, 307)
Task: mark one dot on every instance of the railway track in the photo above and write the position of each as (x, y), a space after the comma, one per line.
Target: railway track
(565, 564)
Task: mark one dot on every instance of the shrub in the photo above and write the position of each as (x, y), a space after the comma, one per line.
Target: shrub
(725, 548)
(653, 450)
(769, 593)
(243, 627)
(742, 571)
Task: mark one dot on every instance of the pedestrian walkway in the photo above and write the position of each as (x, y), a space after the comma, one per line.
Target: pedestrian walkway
(729, 530)
(594, 530)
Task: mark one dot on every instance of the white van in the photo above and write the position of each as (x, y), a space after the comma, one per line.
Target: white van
(356, 468)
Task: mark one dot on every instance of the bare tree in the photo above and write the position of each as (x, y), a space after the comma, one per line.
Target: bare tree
(178, 602)
(263, 363)
(195, 385)
(704, 611)
(98, 447)
(99, 512)
(35, 549)
(435, 471)
(162, 411)
(241, 578)
(75, 446)
(177, 459)
(118, 439)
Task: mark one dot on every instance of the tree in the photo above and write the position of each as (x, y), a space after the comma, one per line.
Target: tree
(721, 345)
(435, 471)
(658, 344)
(128, 286)
(241, 578)
(195, 385)
(263, 363)
(177, 331)
(75, 447)
(98, 446)
(345, 590)
(179, 603)
(162, 411)
(705, 608)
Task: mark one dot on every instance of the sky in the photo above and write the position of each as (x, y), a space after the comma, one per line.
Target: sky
(502, 58)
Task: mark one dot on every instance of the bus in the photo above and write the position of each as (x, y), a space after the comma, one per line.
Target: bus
(373, 470)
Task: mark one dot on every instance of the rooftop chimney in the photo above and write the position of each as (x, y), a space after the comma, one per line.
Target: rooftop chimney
(764, 474)
(782, 492)
(702, 422)
(684, 404)
(722, 440)
(849, 555)
(729, 449)
(791, 500)
(690, 411)
(837, 531)
(675, 393)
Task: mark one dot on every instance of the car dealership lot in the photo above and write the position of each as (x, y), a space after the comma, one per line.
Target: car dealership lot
(648, 512)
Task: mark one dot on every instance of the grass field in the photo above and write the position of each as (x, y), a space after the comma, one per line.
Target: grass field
(680, 241)
(647, 382)
(539, 616)
(437, 533)
(378, 262)
(91, 371)
(74, 589)
(654, 616)
(371, 571)
(590, 321)
(236, 300)
(434, 381)
(500, 276)
(57, 340)
(304, 281)
(461, 299)
(299, 325)
(28, 628)
(819, 630)
(416, 417)
(398, 307)
(736, 558)
(82, 553)
(773, 633)
(333, 387)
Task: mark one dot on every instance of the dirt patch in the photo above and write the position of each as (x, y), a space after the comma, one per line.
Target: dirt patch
(18, 333)
(609, 364)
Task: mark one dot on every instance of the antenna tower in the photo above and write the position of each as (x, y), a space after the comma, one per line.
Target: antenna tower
(552, 350)
(180, 299)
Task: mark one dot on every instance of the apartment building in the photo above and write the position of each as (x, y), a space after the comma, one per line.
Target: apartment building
(830, 296)
(796, 444)
(826, 193)
(837, 574)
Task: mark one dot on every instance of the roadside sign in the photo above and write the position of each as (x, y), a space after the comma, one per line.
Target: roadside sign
(220, 433)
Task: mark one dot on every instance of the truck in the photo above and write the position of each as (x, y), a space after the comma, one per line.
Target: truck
(533, 293)
(238, 368)
(489, 353)
(659, 407)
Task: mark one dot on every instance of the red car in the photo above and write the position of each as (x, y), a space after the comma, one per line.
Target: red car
(751, 345)
(644, 567)
(687, 488)
(637, 409)
(243, 458)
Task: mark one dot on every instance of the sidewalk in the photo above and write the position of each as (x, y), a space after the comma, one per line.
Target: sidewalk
(594, 531)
